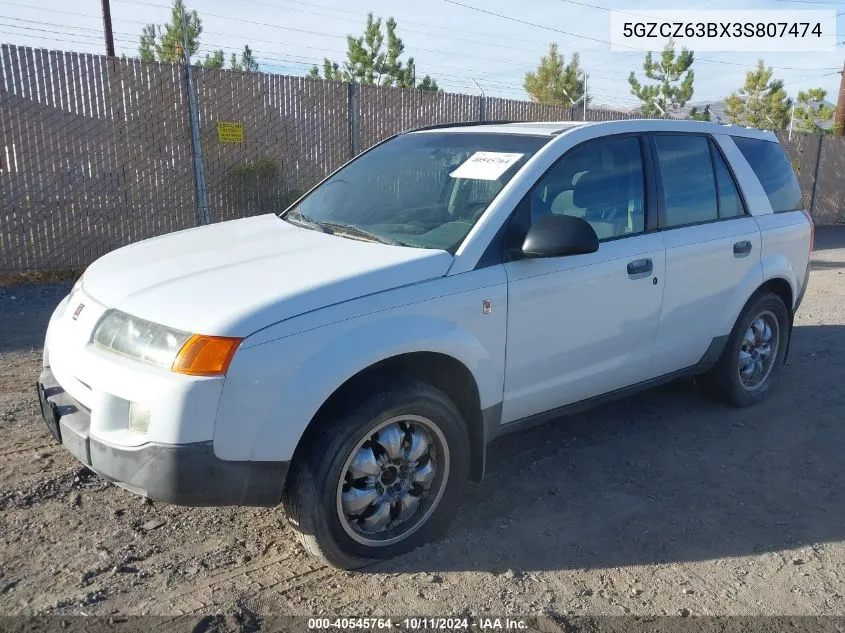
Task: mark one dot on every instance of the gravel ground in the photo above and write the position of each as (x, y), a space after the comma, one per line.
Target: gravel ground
(662, 503)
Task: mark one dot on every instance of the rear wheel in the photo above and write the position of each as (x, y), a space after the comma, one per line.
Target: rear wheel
(751, 361)
(380, 477)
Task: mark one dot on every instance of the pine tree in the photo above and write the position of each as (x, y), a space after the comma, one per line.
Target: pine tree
(761, 102)
(246, 63)
(214, 61)
(704, 115)
(810, 109)
(331, 70)
(164, 43)
(556, 82)
(146, 47)
(427, 83)
(674, 77)
(168, 46)
(373, 59)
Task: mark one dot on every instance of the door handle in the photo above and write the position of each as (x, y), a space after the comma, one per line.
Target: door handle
(640, 266)
(742, 248)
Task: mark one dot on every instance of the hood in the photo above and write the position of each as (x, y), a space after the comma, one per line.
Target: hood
(234, 278)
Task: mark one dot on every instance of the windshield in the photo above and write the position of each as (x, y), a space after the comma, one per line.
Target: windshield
(425, 189)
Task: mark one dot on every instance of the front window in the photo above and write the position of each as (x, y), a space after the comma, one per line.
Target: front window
(423, 189)
(600, 181)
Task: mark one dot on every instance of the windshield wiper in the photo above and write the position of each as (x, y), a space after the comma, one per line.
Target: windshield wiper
(338, 227)
(302, 220)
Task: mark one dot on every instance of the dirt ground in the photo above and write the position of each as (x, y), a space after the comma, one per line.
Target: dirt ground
(662, 503)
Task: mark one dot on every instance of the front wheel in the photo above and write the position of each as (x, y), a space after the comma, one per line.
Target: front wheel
(381, 477)
(750, 363)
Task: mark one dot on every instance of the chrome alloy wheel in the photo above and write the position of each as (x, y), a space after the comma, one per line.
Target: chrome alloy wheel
(392, 480)
(758, 351)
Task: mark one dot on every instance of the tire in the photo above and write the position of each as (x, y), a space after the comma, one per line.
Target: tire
(350, 441)
(725, 380)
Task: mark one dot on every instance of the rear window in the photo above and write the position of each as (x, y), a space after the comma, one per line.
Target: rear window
(774, 172)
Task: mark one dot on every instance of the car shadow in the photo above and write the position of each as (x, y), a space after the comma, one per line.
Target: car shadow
(25, 311)
(664, 476)
(825, 265)
(829, 237)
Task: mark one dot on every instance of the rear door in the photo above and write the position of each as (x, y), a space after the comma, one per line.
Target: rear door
(786, 232)
(712, 247)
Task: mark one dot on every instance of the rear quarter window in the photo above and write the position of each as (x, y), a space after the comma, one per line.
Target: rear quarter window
(773, 170)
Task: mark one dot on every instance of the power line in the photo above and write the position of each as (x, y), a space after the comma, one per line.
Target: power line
(207, 44)
(482, 34)
(50, 31)
(595, 39)
(461, 53)
(500, 86)
(44, 37)
(261, 56)
(595, 6)
(288, 64)
(305, 31)
(438, 34)
(324, 34)
(323, 49)
(84, 15)
(511, 62)
(501, 61)
(496, 36)
(602, 8)
(440, 27)
(404, 29)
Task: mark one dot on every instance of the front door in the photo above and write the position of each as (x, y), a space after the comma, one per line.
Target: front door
(584, 325)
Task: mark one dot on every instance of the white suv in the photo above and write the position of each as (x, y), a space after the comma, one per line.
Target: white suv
(353, 357)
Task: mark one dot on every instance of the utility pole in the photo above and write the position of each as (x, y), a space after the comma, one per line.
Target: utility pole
(839, 119)
(107, 28)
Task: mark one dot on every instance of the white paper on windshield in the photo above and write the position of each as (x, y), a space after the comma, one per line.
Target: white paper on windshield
(485, 165)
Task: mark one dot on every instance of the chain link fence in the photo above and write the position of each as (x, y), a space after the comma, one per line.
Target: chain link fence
(97, 153)
(289, 133)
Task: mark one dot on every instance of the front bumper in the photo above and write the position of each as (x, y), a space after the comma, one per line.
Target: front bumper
(183, 474)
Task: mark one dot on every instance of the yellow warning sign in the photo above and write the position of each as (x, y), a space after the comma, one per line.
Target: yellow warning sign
(230, 132)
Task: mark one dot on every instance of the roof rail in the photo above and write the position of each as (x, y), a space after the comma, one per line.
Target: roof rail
(439, 126)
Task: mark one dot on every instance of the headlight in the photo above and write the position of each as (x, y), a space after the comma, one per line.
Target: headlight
(140, 339)
(165, 347)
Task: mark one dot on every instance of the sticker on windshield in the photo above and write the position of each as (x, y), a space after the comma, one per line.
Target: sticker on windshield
(486, 165)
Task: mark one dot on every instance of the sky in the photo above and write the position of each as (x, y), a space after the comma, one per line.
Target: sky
(465, 50)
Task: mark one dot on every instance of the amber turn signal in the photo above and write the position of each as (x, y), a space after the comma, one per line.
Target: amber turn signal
(206, 355)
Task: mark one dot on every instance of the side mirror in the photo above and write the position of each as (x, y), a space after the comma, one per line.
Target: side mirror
(559, 235)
